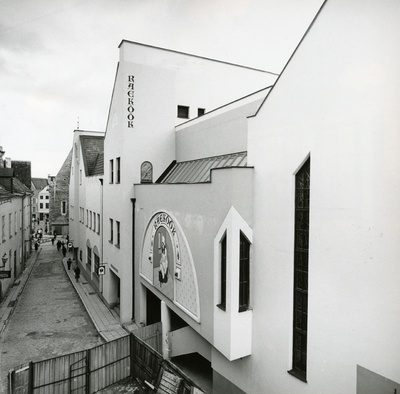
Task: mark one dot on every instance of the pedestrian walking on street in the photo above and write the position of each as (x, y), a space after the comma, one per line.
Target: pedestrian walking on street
(70, 247)
(36, 246)
(58, 245)
(69, 262)
(64, 250)
(52, 240)
(77, 273)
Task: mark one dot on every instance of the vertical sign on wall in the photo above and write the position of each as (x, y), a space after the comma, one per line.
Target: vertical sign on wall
(131, 97)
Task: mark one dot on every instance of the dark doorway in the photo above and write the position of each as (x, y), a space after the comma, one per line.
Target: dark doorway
(153, 308)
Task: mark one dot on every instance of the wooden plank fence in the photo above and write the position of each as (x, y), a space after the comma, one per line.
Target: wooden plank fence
(91, 370)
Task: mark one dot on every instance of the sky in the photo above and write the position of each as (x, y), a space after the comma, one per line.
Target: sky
(58, 58)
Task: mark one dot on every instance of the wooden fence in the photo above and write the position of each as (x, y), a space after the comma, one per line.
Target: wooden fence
(91, 370)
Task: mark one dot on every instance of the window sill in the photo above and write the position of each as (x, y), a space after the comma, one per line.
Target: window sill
(110, 241)
(222, 307)
(117, 246)
(298, 375)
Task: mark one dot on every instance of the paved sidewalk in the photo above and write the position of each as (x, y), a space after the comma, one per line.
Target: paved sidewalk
(105, 322)
(9, 303)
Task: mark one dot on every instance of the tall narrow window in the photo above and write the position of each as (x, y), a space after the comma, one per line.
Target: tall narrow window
(89, 258)
(63, 207)
(118, 232)
(10, 225)
(244, 273)
(111, 171)
(300, 292)
(118, 169)
(222, 304)
(111, 231)
(98, 223)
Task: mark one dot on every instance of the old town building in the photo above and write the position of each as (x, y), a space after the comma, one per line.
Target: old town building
(59, 199)
(15, 216)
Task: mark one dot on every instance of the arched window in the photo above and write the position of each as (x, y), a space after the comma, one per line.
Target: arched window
(146, 172)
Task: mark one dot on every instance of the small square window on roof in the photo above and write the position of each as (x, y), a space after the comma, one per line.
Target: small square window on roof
(201, 111)
(183, 112)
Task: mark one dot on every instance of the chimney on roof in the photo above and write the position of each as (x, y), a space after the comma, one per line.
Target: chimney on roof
(2, 163)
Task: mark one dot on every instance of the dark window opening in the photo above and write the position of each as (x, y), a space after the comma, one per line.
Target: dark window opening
(118, 164)
(183, 112)
(300, 291)
(244, 273)
(201, 111)
(222, 304)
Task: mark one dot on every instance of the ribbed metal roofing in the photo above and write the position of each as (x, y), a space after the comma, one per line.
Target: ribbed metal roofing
(198, 171)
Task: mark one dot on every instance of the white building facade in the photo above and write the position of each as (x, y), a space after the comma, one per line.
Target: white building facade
(262, 234)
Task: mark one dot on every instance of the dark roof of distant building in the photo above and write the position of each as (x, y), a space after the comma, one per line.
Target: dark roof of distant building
(60, 221)
(199, 170)
(10, 185)
(40, 183)
(93, 154)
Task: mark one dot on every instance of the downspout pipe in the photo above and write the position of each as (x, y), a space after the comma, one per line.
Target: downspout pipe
(102, 233)
(133, 200)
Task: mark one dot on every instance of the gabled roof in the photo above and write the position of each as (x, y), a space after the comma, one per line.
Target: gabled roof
(198, 171)
(39, 183)
(93, 154)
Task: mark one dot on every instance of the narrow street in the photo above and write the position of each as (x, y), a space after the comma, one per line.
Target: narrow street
(49, 319)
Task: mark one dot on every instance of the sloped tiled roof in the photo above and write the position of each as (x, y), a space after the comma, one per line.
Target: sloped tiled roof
(198, 171)
(93, 154)
(19, 187)
(60, 221)
(39, 183)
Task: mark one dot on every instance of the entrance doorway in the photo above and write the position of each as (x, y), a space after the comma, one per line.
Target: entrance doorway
(153, 308)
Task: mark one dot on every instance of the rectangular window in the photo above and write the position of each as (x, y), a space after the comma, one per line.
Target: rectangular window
(118, 233)
(90, 218)
(41, 205)
(63, 207)
(15, 222)
(201, 111)
(94, 221)
(10, 225)
(183, 112)
(47, 197)
(111, 231)
(47, 205)
(111, 171)
(222, 305)
(98, 223)
(87, 218)
(300, 291)
(40, 197)
(3, 228)
(96, 263)
(244, 273)
(89, 258)
(118, 169)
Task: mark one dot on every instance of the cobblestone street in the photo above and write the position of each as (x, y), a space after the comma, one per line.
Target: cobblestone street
(49, 319)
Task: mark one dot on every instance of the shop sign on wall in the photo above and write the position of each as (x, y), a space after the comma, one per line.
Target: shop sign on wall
(131, 103)
(168, 265)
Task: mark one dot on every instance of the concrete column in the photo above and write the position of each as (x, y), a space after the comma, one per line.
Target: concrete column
(166, 328)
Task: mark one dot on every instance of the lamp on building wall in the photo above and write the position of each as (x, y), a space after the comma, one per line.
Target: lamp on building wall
(4, 260)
